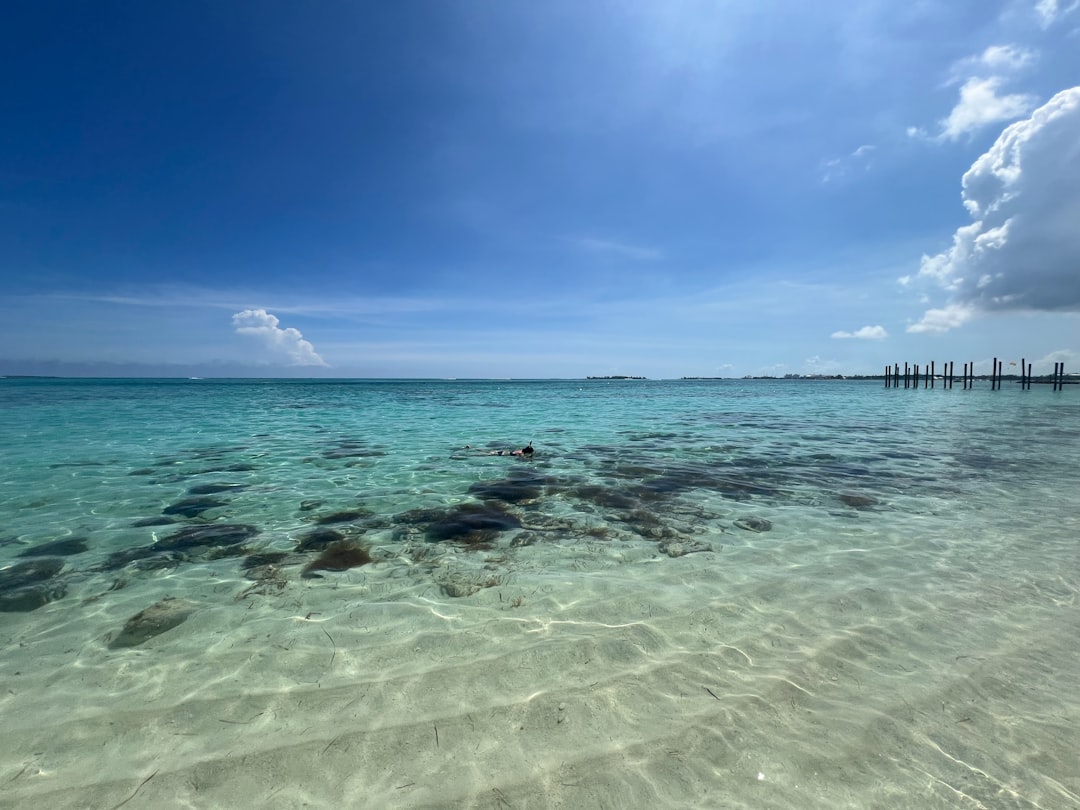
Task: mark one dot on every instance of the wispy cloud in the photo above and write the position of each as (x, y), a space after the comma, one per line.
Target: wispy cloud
(1050, 11)
(288, 342)
(866, 333)
(837, 168)
(996, 60)
(611, 248)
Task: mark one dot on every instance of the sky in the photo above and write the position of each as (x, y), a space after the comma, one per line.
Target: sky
(533, 190)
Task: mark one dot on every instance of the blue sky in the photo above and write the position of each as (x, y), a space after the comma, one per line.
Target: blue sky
(521, 189)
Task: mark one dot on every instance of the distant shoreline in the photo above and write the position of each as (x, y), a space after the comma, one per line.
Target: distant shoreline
(1047, 379)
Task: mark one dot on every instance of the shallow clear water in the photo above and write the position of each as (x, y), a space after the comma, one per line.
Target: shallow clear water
(777, 593)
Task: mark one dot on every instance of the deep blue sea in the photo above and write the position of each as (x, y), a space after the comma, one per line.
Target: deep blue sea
(699, 593)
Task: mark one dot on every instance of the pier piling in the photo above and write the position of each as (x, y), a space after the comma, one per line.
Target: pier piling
(927, 374)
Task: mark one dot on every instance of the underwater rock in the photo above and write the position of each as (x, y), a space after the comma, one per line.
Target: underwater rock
(154, 521)
(344, 516)
(225, 534)
(57, 548)
(680, 548)
(857, 501)
(153, 621)
(192, 507)
(225, 552)
(25, 586)
(457, 585)
(319, 539)
(262, 559)
(308, 505)
(641, 520)
(30, 572)
(753, 524)
(472, 524)
(339, 556)
(119, 559)
(418, 517)
(24, 600)
(214, 489)
(457, 590)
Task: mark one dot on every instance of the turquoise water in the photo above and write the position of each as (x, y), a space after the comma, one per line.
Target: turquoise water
(814, 593)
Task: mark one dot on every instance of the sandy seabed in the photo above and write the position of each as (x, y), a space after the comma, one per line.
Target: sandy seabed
(640, 682)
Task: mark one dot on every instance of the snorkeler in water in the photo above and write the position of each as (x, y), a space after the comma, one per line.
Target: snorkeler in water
(524, 452)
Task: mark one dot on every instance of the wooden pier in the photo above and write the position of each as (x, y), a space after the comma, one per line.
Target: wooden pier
(928, 375)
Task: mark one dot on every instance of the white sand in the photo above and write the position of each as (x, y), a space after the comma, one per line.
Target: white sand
(638, 681)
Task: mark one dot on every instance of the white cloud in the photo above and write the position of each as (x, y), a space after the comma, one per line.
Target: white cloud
(1022, 251)
(1050, 11)
(866, 333)
(1047, 10)
(261, 324)
(980, 105)
(996, 60)
(938, 321)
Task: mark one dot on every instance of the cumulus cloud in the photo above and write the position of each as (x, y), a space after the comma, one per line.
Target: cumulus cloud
(981, 78)
(1022, 249)
(981, 105)
(288, 342)
(939, 321)
(866, 333)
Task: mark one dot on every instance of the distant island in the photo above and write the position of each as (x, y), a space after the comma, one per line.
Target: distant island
(617, 377)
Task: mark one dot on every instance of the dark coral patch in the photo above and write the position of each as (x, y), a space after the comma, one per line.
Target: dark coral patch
(57, 548)
(472, 524)
(23, 600)
(25, 586)
(505, 490)
(856, 500)
(351, 448)
(29, 572)
(346, 516)
(604, 496)
(148, 558)
(339, 556)
(214, 489)
(517, 487)
(154, 521)
(754, 524)
(262, 558)
(225, 534)
(419, 517)
(192, 507)
(319, 539)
